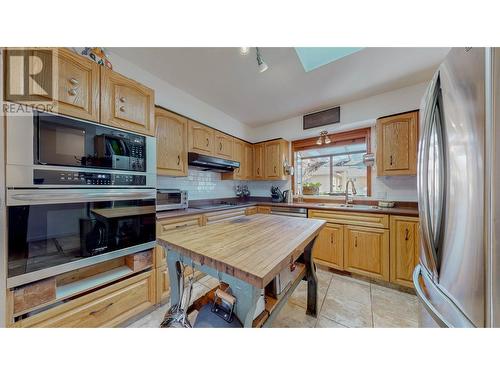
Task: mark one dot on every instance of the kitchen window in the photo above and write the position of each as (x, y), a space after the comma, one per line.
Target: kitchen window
(324, 170)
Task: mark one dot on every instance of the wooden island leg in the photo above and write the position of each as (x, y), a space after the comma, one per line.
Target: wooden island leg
(312, 281)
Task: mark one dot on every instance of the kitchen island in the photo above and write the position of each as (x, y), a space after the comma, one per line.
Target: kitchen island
(247, 253)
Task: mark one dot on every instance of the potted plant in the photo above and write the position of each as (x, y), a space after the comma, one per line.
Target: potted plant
(311, 188)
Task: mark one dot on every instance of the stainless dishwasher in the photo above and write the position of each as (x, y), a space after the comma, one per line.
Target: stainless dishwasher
(289, 211)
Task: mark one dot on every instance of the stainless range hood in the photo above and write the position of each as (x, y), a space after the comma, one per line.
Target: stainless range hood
(211, 163)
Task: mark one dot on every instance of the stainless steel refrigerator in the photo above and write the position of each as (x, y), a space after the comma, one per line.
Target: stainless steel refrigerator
(458, 278)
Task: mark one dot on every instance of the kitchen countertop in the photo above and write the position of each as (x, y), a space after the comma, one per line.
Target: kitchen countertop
(257, 248)
(406, 211)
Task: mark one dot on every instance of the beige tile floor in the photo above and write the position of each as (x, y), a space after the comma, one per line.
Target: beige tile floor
(344, 302)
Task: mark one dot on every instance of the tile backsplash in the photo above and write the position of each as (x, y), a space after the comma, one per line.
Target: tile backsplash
(209, 185)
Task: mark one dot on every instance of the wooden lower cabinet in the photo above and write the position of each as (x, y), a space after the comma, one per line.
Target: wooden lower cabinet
(263, 210)
(404, 249)
(106, 307)
(366, 251)
(162, 284)
(329, 246)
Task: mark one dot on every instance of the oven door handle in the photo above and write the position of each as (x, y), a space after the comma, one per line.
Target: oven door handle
(38, 196)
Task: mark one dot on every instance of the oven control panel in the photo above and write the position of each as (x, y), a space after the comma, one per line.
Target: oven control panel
(51, 177)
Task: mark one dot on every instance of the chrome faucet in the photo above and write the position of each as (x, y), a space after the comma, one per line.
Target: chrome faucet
(347, 200)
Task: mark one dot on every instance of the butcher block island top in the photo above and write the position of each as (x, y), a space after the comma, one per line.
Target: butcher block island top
(254, 248)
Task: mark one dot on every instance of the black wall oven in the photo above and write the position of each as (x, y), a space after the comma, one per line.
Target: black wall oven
(51, 231)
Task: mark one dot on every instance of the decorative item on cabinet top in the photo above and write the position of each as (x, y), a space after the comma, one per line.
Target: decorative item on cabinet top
(96, 54)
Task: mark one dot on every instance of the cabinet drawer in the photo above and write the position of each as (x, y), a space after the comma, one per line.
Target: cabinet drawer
(106, 307)
(366, 251)
(352, 218)
(251, 211)
(163, 226)
(214, 217)
(264, 210)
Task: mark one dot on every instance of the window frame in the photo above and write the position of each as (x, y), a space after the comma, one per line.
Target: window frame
(337, 139)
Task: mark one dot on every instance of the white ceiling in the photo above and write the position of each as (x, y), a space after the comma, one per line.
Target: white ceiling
(230, 82)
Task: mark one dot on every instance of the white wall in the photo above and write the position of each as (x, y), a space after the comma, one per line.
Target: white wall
(179, 101)
(355, 115)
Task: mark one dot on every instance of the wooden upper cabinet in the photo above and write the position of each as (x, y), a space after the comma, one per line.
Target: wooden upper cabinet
(404, 249)
(171, 143)
(275, 155)
(329, 246)
(200, 138)
(248, 161)
(223, 147)
(76, 81)
(397, 144)
(366, 251)
(258, 161)
(238, 155)
(78, 86)
(126, 104)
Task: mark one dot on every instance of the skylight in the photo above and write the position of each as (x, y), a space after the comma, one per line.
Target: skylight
(314, 57)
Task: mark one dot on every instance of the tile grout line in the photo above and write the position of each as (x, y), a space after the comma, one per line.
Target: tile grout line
(323, 302)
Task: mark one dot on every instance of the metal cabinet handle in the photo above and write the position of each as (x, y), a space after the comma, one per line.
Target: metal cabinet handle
(274, 169)
(178, 159)
(181, 226)
(101, 310)
(220, 146)
(355, 241)
(73, 81)
(72, 92)
(406, 234)
(208, 142)
(390, 159)
(122, 108)
(258, 170)
(331, 238)
(122, 99)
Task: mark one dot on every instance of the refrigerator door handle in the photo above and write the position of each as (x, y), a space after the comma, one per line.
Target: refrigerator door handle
(422, 180)
(436, 315)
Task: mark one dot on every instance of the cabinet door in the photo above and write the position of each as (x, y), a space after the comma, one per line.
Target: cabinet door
(329, 246)
(223, 146)
(366, 251)
(162, 284)
(272, 159)
(397, 144)
(171, 144)
(200, 138)
(258, 161)
(76, 82)
(239, 155)
(126, 104)
(78, 86)
(248, 161)
(404, 249)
